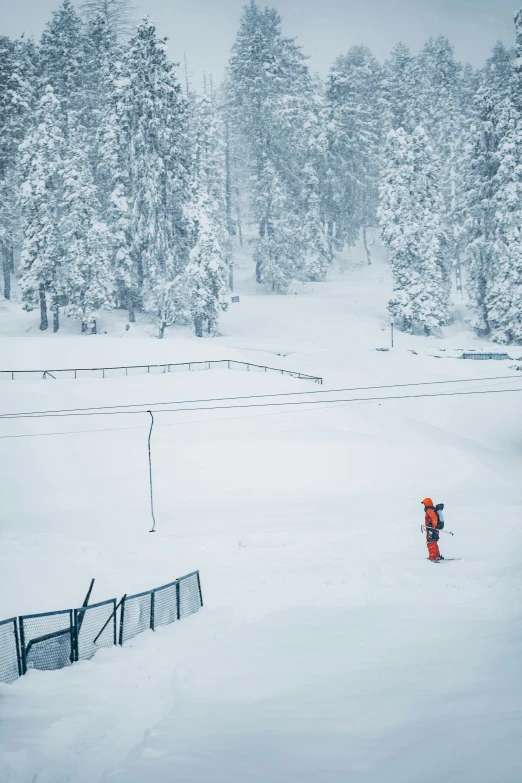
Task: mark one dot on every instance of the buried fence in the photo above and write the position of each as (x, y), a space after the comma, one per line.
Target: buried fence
(54, 640)
(151, 369)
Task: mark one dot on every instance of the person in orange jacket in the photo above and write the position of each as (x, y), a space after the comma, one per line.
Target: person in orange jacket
(432, 534)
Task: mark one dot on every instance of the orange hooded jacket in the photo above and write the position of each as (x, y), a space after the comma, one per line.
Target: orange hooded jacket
(431, 519)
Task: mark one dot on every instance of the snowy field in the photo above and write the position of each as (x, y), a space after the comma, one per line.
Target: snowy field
(328, 649)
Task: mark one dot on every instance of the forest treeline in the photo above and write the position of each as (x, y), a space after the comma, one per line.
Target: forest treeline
(121, 186)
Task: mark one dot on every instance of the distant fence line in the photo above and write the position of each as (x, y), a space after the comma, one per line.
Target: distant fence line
(144, 369)
(54, 640)
(485, 356)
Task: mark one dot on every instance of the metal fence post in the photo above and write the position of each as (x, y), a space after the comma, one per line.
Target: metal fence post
(18, 654)
(22, 647)
(152, 603)
(178, 602)
(122, 613)
(199, 588)
(73, 633)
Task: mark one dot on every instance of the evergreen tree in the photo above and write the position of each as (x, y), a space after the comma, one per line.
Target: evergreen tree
(113, 182)
(354, 126)
(62, 51)
(17, 104)
(268, 79)
(101, 54)
(400, 89)
(207, 271)
(499, 71)
(87, 272)
(117, 14)
(41, 257)
(314, 244)
(493, 207)
(158, 175)
(504, 300)
(479, 208)
(412, 229)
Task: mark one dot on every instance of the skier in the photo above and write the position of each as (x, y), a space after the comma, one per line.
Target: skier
(432, 534)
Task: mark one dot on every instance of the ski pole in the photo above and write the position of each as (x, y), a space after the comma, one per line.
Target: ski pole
(448, 532)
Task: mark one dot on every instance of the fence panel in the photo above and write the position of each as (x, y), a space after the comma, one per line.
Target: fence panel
(115, 372)
(135, 615)
(190, 597)
(95, 627)
(47, 640)
(10, 663)
(178, 367)
(118, 372)
(166, 604)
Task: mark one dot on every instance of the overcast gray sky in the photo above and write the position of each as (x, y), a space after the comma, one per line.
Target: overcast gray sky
(205, 29)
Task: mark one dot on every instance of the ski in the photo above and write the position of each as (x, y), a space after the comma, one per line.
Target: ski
(444, 560)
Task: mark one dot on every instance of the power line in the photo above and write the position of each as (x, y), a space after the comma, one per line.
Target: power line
(100, 410)
(331, 403)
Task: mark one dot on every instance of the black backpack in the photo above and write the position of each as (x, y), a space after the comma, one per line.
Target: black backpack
(439, 508)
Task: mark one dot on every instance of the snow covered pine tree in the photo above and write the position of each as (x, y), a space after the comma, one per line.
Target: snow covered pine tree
(41, 257)
(412, 228)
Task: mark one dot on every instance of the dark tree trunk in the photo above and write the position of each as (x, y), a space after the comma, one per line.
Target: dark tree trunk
(84, 327)
(7, 274)
(198, 326)
(44, 323)
(132, 311)
(330, 239)
(162, 330)
(366, 246)
(258, 271)
(239, 228)
(94, 329)
(56, 319)
(228, 183)
(231, 274)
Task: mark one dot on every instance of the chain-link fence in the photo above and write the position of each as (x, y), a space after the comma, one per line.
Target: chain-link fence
(160, 606)
(47, 640)
(190, 597)
(135, 615)
(53, 640)
(95, 628)
(150, 369)
(10, 663)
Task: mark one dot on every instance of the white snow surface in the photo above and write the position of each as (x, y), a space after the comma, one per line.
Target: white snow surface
(329, 649)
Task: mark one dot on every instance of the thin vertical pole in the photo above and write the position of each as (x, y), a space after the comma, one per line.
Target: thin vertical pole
(178, 602)
(18, 655)
(22, 646)
(122, 614)
(73, 635)
(392, 324)
(153, 529)
(199, 588)
(152, 605)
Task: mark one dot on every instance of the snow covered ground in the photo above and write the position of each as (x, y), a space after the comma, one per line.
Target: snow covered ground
(328, 649)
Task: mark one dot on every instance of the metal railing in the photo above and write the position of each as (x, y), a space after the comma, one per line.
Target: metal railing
(486, 356)
(54, 640)
(150, 369)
